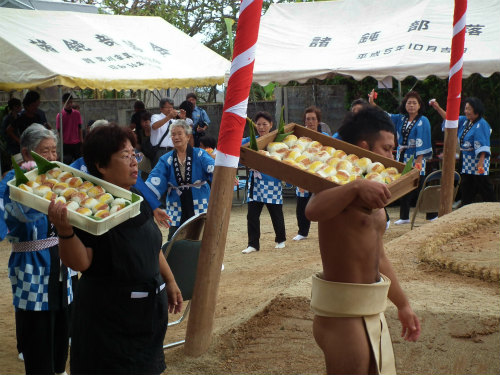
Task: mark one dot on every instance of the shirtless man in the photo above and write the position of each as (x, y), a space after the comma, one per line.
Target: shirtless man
(351, 224)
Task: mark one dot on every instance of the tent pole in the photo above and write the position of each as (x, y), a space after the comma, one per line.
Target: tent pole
(284, 101)
(400, 96)
(59, 88)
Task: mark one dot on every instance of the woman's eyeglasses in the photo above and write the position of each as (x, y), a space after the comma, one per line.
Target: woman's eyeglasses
(128, 158)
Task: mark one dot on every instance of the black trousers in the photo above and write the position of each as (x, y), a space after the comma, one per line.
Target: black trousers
(406, 200)
(472, 184)
(300, 211)
(253, 222)
(71, 309)
(72, 152)
(44, 339)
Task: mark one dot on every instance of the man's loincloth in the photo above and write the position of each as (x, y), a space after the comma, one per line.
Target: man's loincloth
(367, 301)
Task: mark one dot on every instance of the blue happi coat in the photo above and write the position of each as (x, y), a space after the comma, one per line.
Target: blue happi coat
(476, 140)
(29, 272)
(419, 139)
(162, 180)
(262, 187)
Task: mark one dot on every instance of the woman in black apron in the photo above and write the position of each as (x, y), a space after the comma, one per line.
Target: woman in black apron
(121, 312)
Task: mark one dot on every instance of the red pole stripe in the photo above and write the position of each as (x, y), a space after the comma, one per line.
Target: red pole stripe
(456, 65)
(238, 88)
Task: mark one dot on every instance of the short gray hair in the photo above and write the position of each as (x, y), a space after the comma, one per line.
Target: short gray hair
(164, 101)
(34, 134)
(183, 124)
(98, 123)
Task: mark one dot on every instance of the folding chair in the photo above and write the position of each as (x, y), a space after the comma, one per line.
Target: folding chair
(429, 197)
(182, 252)
(242, 175)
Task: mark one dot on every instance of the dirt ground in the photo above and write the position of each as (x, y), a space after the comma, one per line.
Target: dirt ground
(449, 269)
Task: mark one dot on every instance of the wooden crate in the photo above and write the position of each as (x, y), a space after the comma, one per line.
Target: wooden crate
(312, 182)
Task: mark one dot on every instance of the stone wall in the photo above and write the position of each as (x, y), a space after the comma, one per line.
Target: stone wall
(330, 99)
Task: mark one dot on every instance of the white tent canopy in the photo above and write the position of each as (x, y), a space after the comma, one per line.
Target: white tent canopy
(361, 38)
(41, 49)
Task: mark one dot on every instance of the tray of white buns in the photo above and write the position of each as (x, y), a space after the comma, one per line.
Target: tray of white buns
(94, 205)
(314, 162)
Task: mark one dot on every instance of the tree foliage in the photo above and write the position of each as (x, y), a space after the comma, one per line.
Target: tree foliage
(486, 89)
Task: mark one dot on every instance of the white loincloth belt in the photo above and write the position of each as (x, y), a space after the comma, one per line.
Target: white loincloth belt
(367, 301)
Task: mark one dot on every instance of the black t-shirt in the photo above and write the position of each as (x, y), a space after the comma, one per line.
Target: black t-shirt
(23, 121)
(139, 131)
(12, 145)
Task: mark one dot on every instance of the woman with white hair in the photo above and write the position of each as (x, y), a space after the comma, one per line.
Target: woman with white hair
(184, 175)
(41, 285)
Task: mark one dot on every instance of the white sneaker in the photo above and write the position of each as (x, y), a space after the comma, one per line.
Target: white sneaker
(299, 237)
(249, 250)
(280, 245)
(401, 221)
(20, 357)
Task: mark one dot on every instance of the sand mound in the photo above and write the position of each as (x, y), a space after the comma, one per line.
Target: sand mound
(469, 248)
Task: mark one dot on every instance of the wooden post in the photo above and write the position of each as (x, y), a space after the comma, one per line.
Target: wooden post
(447, 178)
(453, 106)
(201, 319)
(200, 324)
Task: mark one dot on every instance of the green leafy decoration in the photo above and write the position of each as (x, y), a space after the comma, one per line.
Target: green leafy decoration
(281, 137)
(408, 167)
(253, 138)
(19, 174)
(43, 164)
(281, 127)
(135, 198)
(229, 27)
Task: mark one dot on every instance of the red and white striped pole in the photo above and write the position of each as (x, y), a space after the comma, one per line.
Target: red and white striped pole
(238, 87)
(453, 106)
(201, 318)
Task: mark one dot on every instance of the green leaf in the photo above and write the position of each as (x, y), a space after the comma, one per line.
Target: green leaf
(18, 173)
(281, 126)
(229, 27)
(281, 137)
(135, 198)
(43, 164)
(253, 138)
(408, 167)
(269, 91)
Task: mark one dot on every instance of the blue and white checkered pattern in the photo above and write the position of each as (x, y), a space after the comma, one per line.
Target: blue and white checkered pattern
(469, 164)
(266, 191)
(408, 156)
(174, 211)
(304, 194)
(200, 206)
(30, 287)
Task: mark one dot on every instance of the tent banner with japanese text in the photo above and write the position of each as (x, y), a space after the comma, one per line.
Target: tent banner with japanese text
(42, 49)
(361, 38)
